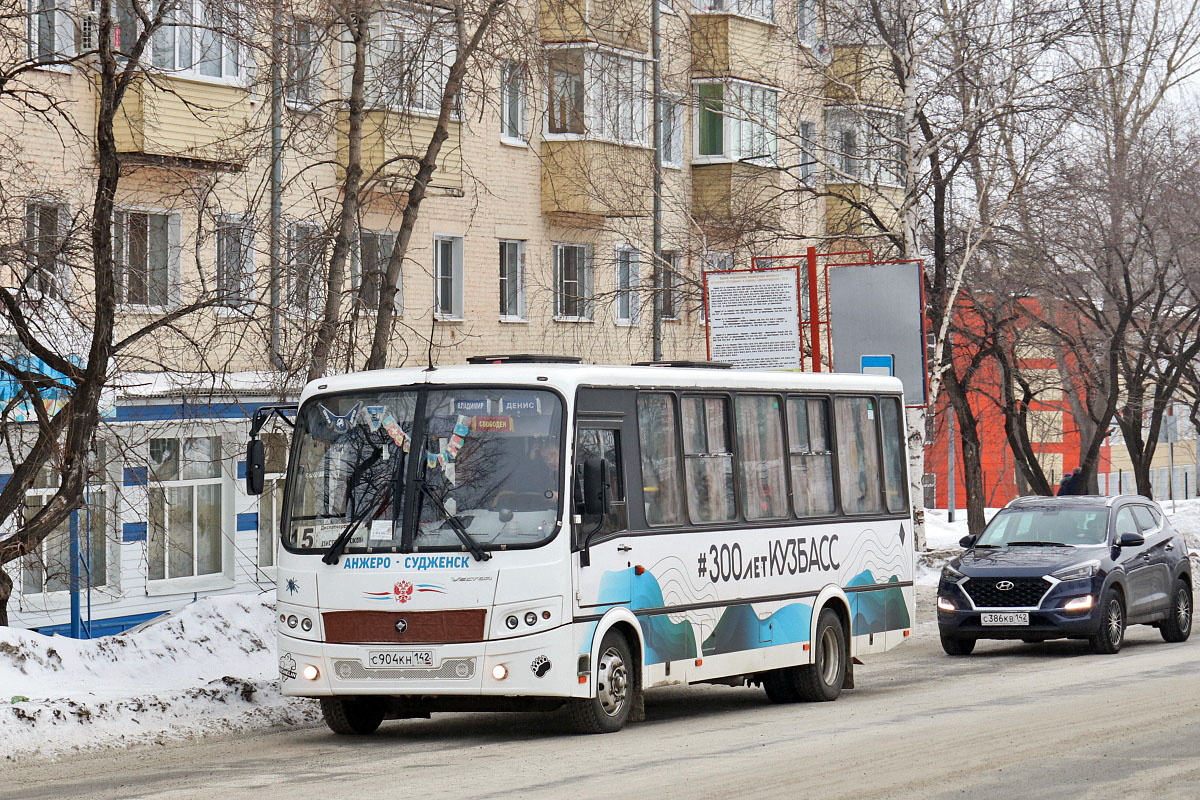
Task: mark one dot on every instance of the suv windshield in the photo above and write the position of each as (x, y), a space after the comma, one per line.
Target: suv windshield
(489, 458)
(1065, 526)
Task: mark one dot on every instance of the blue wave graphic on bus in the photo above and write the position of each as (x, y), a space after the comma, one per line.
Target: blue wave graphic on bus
(739, 627)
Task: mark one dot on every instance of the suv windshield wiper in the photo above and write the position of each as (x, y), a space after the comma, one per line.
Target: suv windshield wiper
(472, 545)
(1037, 544)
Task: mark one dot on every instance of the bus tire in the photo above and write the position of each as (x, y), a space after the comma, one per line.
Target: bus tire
(352, 716)
(822, 680)
(608, 711)
(780, 685)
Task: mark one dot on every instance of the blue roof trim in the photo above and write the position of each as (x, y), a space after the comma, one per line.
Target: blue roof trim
(185, 410)
(247, 522)
(241, 470)
(135, 476)
(133, 532)
(102, 627)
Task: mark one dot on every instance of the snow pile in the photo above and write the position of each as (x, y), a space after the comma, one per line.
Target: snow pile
(941, 535)
(208, 667)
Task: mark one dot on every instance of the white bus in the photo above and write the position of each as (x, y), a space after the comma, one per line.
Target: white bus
(522, 533)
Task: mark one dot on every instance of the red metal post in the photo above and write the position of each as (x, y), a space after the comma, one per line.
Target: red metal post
(814, 310)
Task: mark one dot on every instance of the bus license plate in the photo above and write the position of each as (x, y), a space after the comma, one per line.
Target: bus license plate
(1012, 618)
(381, 659)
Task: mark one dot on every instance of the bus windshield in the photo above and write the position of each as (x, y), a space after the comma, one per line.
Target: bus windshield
(490, 458)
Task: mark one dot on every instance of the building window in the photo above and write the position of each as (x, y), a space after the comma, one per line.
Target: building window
(758, 9)
(627, 286)
(512, 281)
(566, 91)
(806, 21)
(572, 282)
(669, 286)
(50, 34)
(45, 237)
(374, 253)
(192, 39)
(185, 530)
(737, 121)
(146, 252)
(621, 114)
(304, 64)
(808, 150)
(305, 268)
(48, 569)
(448, 276)
(670, 133)
(270, 502)
(406, 67)
(512, 101)
(235, 261)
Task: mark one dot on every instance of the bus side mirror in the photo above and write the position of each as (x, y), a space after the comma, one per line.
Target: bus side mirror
(595, 487)
(256, 461)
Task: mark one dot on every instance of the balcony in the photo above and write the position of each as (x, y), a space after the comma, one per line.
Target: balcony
(392, 138)
(729, 46)
(862, 75)
(598, 179)
(617, 23)
(845, 214)
(736, 194)
(179, 121)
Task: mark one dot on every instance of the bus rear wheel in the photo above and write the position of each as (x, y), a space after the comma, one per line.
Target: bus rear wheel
(352, 716)
(608, 711)
(820, 681)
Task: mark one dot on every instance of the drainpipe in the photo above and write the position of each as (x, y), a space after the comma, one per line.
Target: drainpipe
(656, 214)
(276, 183)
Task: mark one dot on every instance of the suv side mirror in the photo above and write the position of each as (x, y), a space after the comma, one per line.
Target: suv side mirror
(1131, 540)
(596, 499)
(256, 461)
(966, 541)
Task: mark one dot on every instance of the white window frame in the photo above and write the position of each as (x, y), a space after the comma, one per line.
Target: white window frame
(749, 123)
(303, 89)
(761, 10)
(670, 117)
(315, 305)
(612, 79)
(809, 162)
(626, 309)
(670, 288)
(513, 80)
(183, 43)
(714, 260)
(61, 30)
(390, 34)
(98, 495)
(357, 274)
(169, 583)
(174, 255)
(806, 22)
(60, 279)
(454, 274)
(586, 296)
(515, 275)
(241, 295)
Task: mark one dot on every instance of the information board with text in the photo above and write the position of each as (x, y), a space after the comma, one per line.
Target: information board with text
(754, 317)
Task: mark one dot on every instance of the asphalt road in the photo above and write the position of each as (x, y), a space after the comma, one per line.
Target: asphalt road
(1011, 721)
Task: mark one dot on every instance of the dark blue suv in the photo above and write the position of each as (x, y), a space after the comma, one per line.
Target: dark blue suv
(1067, 567)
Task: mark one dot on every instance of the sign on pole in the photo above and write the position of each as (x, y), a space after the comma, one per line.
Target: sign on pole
(754, 317)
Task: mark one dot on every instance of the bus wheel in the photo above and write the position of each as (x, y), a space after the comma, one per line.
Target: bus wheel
(609, 709)
(822, 680)
(780, 685)
(352, 716)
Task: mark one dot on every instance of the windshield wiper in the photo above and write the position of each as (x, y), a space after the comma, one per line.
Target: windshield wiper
(472, 545)
(339, 544)
(1037, 544)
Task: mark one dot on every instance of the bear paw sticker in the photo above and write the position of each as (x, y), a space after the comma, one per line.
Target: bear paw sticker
(540, 666)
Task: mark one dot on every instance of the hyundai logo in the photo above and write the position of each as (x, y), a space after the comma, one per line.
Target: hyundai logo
(1003, 586)
(401, 626)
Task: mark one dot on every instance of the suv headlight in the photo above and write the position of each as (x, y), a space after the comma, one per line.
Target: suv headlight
(1078, 572)
(949, 573)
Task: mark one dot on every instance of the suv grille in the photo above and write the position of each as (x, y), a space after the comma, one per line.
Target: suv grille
(1025, 593)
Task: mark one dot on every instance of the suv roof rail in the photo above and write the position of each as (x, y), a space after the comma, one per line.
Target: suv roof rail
(524, 358)
(685, 364)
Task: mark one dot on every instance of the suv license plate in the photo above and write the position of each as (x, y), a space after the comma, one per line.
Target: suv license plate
(382, 659)
(1014, 618)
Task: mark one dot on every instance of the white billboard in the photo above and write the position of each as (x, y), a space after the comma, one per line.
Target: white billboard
(754, 317)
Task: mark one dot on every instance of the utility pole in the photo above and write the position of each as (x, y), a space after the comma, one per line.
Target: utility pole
(656, 213)
(951, 478)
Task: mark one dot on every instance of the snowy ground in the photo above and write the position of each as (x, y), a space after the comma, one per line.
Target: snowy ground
(211, 668)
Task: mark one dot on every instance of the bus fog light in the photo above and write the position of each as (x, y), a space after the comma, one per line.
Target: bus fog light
(1079, 603)
(530, 618)
(945, 605)
(292, 621)
(310, 673)
(306, 624)
(499, 672)
(511, 622)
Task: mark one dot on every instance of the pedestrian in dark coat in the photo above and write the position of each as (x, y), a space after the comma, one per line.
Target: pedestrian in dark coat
(1072, 483)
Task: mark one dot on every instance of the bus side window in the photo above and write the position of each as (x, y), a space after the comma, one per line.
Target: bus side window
(811, 456)
(708, 459)
(657, 424)
(760, 456)
(858, 455)
(894, 473)
(605, 443)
